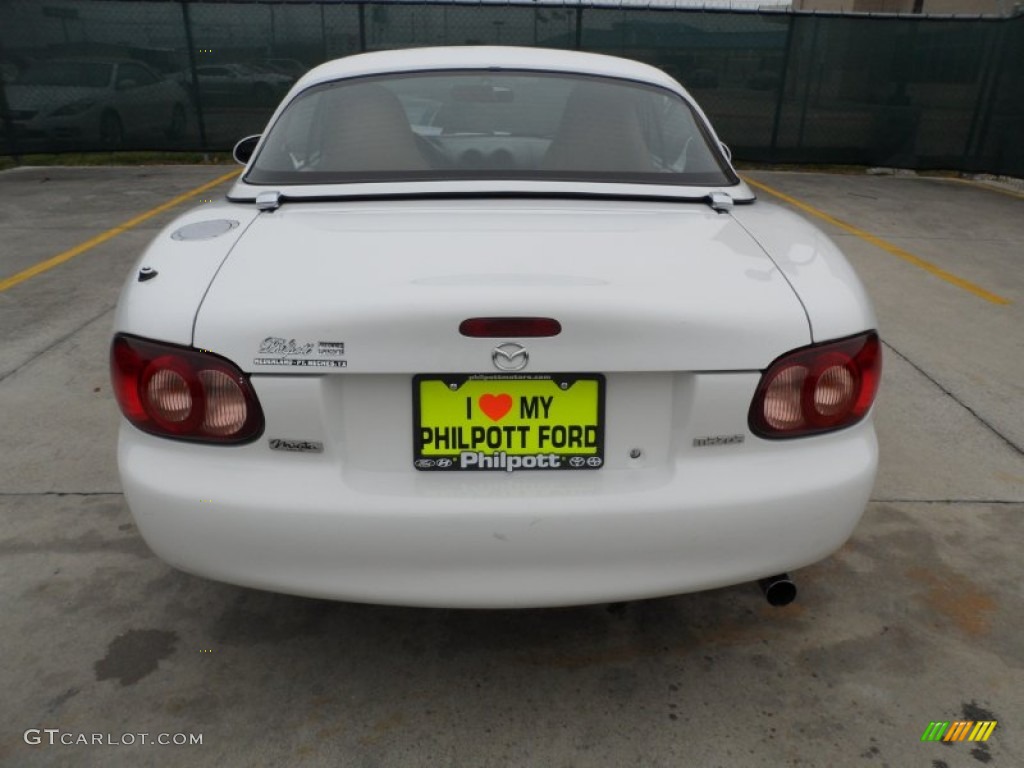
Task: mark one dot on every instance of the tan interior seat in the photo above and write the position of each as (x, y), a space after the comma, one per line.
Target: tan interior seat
(600, 131)
(367, 130)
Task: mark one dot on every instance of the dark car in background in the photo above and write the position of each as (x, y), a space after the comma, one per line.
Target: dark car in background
(291, 67)
(241, 85)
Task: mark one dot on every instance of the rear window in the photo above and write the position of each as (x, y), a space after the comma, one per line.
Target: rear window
(469, 125)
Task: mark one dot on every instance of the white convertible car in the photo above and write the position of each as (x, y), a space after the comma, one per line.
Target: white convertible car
(493, 327)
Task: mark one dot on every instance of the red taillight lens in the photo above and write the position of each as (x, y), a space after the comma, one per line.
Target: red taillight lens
(818, 389)
(174, 391)
(510, 327)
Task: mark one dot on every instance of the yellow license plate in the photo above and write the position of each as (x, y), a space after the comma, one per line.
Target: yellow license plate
(508, 422)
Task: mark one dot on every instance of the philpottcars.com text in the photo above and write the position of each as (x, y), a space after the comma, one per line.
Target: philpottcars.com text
(55, 736)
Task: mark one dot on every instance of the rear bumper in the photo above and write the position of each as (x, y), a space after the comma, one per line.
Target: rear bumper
(526, 539)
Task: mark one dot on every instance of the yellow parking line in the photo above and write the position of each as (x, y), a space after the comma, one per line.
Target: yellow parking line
(60, 258)
(888, 247)
(990, 187)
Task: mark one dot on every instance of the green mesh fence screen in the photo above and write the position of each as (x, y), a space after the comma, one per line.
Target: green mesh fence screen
(912, 92)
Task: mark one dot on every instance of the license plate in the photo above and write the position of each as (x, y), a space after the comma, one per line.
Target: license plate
(508, 422)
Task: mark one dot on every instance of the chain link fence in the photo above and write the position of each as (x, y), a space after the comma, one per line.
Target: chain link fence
(912, 92)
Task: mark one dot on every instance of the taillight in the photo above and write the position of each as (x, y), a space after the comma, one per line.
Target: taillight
(818, 388)
(179, 392)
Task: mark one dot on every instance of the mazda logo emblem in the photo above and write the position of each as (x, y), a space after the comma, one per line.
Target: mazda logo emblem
(510, 357)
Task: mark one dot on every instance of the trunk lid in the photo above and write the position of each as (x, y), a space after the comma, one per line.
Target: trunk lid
(381, 287)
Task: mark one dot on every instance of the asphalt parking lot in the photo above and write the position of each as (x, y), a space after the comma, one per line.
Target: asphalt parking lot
(919, 618)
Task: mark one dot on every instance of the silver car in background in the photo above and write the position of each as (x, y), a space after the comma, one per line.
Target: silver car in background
(94, 103)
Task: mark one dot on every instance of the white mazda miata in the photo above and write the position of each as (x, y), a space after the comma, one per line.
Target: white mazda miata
(493, 327)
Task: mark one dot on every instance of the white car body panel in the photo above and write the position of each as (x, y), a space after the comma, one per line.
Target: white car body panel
(358, 523)
(837, 304)
(393, 281)
(165, 307)
(679, 306)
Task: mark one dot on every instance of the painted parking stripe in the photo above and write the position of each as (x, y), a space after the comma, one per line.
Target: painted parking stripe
(60, 258)
(988, 187)
(886, 246)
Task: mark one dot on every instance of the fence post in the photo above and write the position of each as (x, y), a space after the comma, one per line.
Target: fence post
(324, 50)
(196, 95)
(5, 115)
(273, 29)
(579, 27)
(362, 27)
(807, 85)
(991, 74)
(783, 77)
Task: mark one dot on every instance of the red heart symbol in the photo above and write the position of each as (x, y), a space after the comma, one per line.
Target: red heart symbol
(495, 406)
